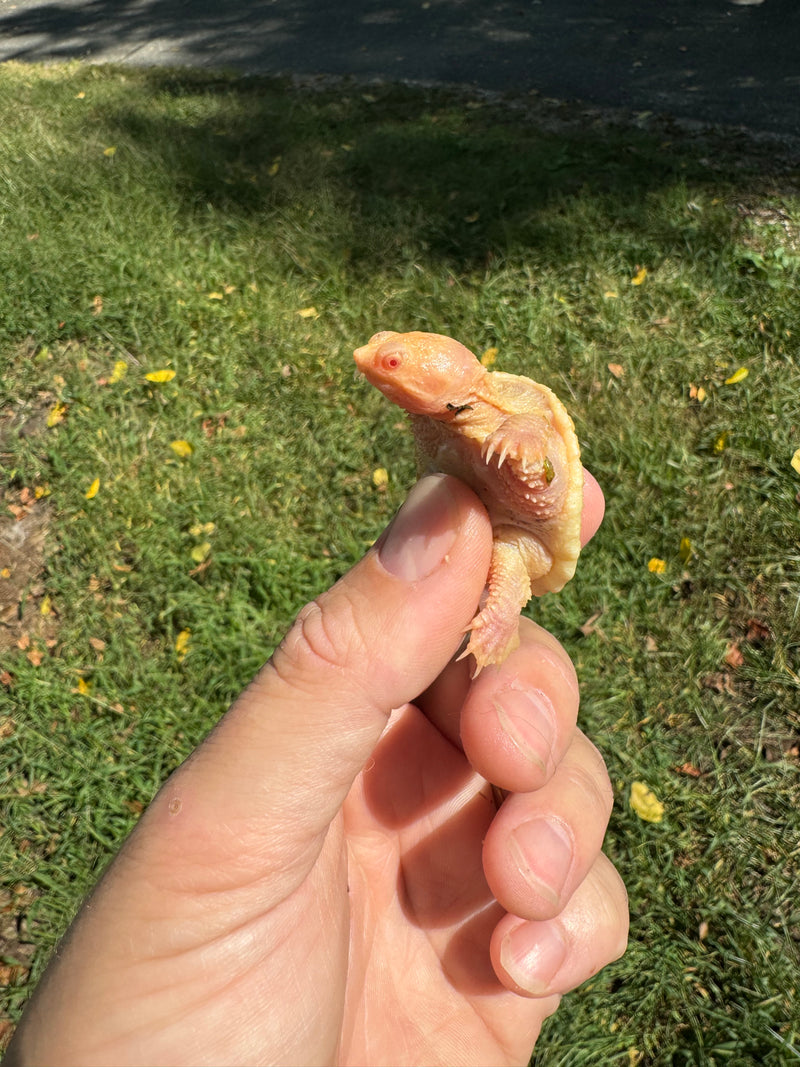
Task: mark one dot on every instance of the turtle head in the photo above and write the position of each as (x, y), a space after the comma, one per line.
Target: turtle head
(424, 373)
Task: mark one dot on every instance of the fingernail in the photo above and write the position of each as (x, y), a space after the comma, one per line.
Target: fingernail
(529, 719)
(532, 953)
(543, 854)
(422, 532)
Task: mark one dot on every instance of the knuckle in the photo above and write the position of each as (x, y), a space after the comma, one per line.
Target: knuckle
(600, 907)
(547, 658)
(535, 635)
(613, 904)
(588, 772)
(323, 638)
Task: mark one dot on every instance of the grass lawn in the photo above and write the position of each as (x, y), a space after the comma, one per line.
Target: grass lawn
(157, 536)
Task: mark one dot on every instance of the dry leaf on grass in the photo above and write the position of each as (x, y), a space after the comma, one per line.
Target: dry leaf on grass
(645, 803)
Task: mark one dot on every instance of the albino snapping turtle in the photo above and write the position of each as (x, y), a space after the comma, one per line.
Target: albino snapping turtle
(513, 442)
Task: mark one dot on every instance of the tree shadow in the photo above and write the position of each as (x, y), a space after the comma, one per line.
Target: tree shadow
(716, 60)
(415, 175)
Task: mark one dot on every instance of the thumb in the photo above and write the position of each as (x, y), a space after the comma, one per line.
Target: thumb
(290, 747)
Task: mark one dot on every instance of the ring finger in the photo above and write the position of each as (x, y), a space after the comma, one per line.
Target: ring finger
(541, 845)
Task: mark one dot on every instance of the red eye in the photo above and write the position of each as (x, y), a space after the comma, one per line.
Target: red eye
(391, 360)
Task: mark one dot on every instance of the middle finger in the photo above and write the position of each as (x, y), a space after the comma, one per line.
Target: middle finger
(515, 721)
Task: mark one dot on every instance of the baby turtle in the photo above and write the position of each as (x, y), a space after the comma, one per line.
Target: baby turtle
(513, 442)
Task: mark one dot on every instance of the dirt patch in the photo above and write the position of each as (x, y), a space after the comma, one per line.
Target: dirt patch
(17, 948)
(23, 606)
(24, 418)
(25, 515)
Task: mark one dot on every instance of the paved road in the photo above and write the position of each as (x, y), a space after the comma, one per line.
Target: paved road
(721, 61)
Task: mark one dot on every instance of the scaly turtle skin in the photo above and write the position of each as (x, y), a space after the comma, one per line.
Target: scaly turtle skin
(513, 442)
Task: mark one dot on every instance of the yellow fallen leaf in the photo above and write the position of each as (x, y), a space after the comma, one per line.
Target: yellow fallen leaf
(160, 375)
(656, 566)
(80, 96)
(380, 478)
(199, 552)
(91, 492)
(182, 643)
(56, 414)
(46, 606)
(685, 550)
(41, 490)
(721, 443)
(202, 528)
(181, 448)
(795, 461)
(5, 573)
(610, 294)
(737, 376)
(119, 371)
(216, 296)
(274, 167)
(84, 687)
(110, 151)
(639, 276)
(308, 313)
(645, 803)
(489, 356)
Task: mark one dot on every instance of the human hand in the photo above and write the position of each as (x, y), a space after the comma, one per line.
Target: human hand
(316, 886)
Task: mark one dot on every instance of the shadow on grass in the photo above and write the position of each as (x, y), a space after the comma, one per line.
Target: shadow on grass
(411, 173)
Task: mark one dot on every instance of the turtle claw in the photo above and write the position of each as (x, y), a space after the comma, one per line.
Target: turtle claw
(490, 642)
(503, 443)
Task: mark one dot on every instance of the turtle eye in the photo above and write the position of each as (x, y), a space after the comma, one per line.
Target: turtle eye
(391, 360)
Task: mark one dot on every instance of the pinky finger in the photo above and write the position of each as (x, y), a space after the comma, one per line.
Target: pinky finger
(554, 956)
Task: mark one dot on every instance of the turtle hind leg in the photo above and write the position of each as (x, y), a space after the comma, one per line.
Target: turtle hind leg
(514, 564)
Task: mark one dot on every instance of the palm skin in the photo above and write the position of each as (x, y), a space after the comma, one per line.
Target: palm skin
(417, 880)
(314, 886)
(395, 910)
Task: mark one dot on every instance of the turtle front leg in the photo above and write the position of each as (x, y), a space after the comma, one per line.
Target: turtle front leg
(517, 559)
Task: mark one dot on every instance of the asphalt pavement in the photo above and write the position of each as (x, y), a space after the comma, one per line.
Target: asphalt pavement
(724, 62)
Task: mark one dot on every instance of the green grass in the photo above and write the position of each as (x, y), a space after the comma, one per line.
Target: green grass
(400, 208)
